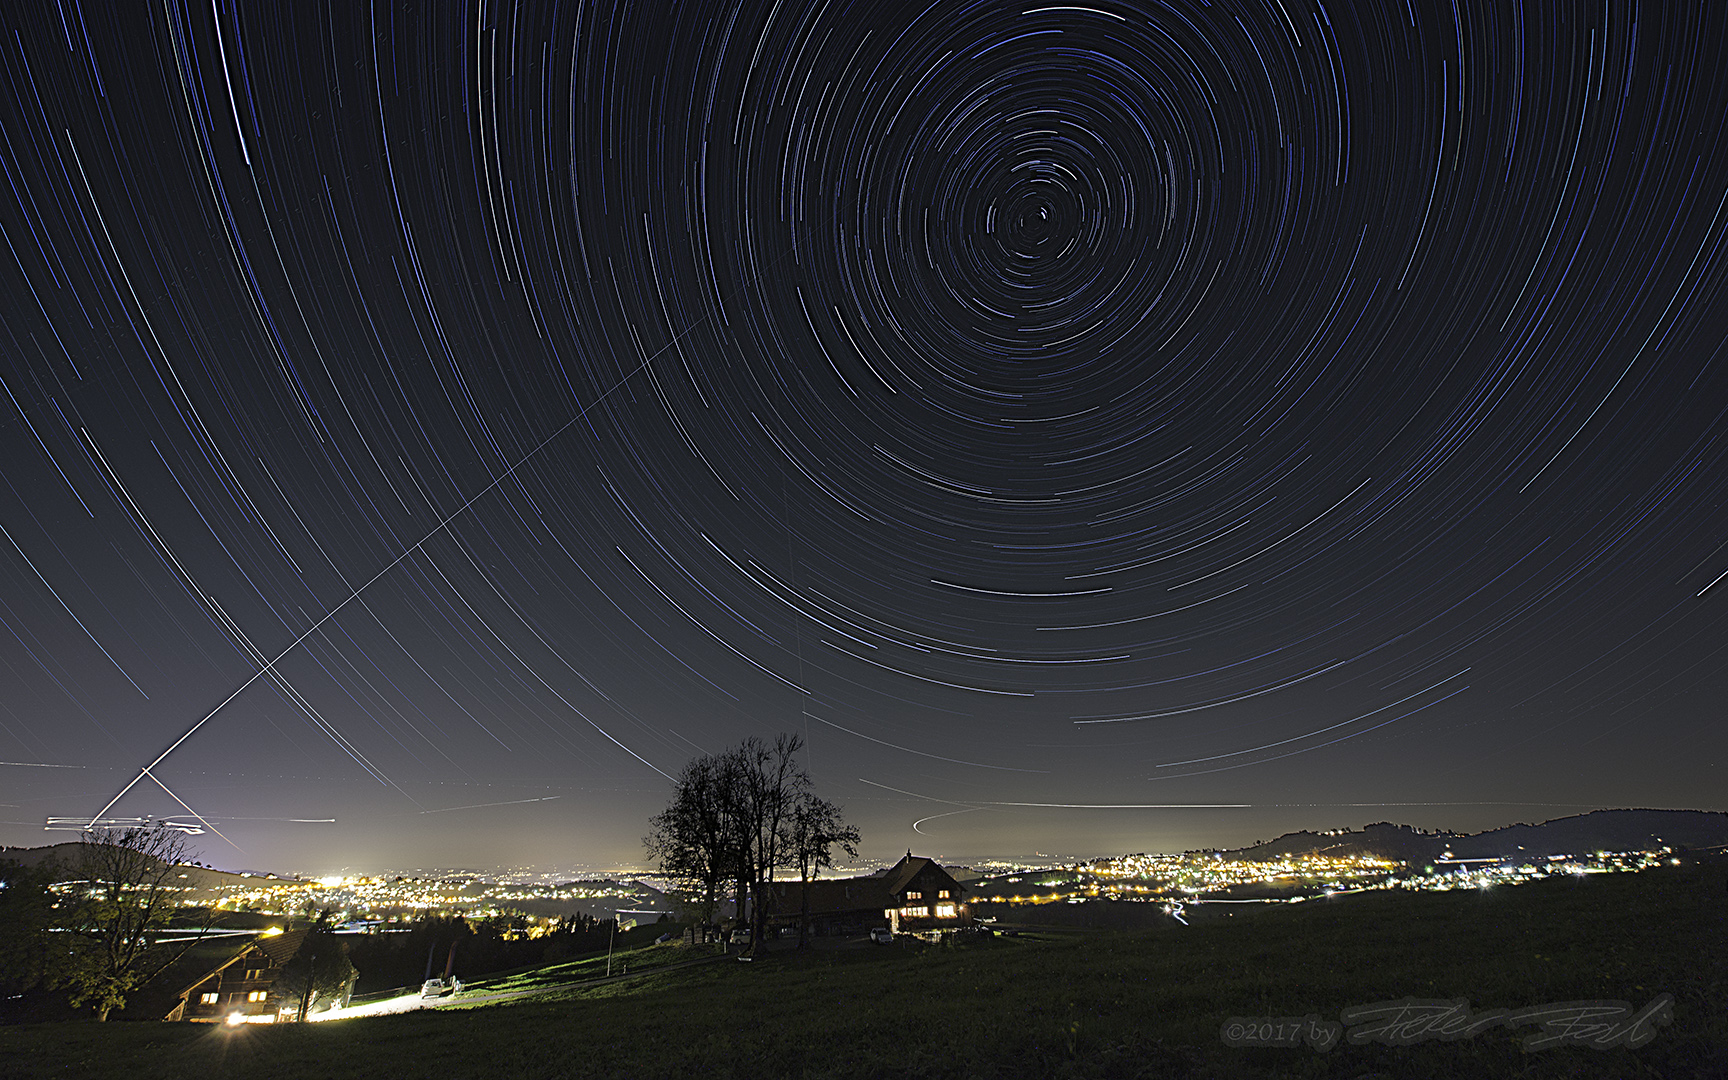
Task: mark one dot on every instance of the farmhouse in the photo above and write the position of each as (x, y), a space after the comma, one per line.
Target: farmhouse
(914, 894)
(217, 982)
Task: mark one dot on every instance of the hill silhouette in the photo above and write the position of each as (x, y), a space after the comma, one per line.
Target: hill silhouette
(198, 878)
(1599, 830)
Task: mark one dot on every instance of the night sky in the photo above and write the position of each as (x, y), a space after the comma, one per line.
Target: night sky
(1108, 428)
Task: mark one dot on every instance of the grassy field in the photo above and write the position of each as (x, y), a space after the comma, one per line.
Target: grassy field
(623, 962)
(1100, 1004)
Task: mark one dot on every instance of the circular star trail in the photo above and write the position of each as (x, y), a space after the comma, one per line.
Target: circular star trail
(1036, 406)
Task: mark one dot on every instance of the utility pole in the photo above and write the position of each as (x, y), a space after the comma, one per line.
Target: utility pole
(609, 939)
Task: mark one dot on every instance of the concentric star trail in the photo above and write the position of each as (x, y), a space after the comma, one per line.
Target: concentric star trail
(1155, 414)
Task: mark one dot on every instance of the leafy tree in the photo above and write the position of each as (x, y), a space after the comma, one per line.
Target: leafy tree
(31, 957)
(812, 832)
(126, 899)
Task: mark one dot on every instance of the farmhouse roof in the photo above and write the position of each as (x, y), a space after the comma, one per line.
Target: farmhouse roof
(905, 870)
(280, 948)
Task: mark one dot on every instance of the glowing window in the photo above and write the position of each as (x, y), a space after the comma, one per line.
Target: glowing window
(914, 912)
(943, 895)
(256, 995)
(914, 896)
(944, 911)
(206, 999)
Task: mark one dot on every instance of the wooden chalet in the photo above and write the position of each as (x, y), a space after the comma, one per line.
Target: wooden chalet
(914, 894)
(232, 980)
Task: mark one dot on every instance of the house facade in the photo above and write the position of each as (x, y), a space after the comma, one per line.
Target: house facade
(914, 894)
(242, 985)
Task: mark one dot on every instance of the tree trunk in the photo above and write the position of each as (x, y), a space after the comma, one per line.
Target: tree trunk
(739, 903)
(759, 919)
(804, 906)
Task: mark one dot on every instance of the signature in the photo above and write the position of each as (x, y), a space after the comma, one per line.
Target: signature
(1407, 1021)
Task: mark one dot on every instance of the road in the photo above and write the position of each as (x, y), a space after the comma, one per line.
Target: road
(411, 1002)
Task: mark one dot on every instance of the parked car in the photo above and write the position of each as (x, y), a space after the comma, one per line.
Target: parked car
(432, 988)
(881, 935)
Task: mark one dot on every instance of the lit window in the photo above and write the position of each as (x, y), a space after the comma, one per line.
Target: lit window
(256, 995)
(944, 911)
(943, 895)
(914, 912)
(254, 973)
(206, 999)
(914, 896)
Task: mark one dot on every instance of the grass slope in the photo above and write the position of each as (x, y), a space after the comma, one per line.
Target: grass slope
(1145, 1004)
(626, 959)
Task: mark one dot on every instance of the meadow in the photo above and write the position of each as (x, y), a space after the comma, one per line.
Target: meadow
(1149, 1004)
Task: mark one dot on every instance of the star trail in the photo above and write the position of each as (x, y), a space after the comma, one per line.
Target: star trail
(1101, 427)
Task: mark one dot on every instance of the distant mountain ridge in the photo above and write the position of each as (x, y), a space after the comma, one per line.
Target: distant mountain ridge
(1599, 830)
(68, 854)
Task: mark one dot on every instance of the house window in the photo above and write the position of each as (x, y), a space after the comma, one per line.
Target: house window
(944, 911)
(942, 895)
(256, 995)
(914, 912)
(254, 973)
(206, 999)
(914, 896)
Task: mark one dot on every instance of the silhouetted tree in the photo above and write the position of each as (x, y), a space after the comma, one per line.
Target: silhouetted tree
(694, 838)
(33, 956)
(812, 832)
(400, 958)
(733, 817)
(770, 783)
(320, 971)
(572, 935)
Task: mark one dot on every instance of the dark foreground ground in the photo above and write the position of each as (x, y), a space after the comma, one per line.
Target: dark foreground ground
(1101, 1004)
